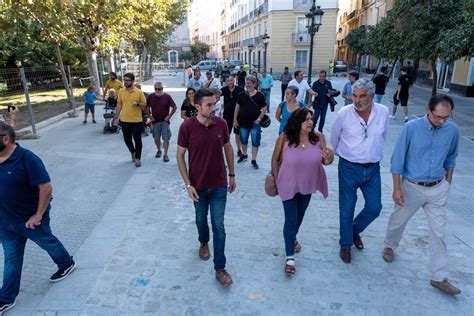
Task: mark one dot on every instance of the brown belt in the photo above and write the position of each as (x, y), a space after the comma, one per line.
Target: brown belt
(427, 184)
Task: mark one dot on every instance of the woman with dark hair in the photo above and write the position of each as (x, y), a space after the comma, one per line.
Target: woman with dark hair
(297, 165)
(285, 108)
(187, 108)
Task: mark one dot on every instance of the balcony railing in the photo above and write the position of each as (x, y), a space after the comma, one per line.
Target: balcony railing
(301, 39)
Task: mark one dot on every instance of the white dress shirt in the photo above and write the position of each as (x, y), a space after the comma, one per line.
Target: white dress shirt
(356, 141)
(303, 86)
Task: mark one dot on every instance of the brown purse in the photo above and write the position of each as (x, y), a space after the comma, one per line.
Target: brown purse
(270, 183)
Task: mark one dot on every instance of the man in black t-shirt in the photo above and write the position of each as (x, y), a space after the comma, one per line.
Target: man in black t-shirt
(249, 110)
(401, 95)
(380, 81)
(231, 93)
(241, 75)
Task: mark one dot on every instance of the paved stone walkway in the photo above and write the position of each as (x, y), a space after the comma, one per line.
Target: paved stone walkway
(133, 235)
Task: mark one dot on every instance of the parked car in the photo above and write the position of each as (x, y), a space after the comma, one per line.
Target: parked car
(205, 65)
(340, 66)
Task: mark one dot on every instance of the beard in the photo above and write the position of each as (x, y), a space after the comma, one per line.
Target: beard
(361, 107)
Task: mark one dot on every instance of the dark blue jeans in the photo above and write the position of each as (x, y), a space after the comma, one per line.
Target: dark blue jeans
(320, 113)
(266, 94)
(14, 237)
(294, 214)
(352, 177)
(213, 200)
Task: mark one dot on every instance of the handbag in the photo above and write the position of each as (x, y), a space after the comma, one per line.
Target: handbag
(270, 183)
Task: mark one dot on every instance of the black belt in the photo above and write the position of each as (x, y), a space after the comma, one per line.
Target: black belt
(427, 184)
(365, 164)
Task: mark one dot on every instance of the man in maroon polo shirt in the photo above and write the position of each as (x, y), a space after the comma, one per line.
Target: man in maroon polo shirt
(159, 105)
(204, 136)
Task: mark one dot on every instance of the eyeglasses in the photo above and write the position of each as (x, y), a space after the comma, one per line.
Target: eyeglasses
(364, 129)
(127, 80)
(158, 89)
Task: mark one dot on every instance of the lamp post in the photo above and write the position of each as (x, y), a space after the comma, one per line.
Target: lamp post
(313, 20)
(266, 39)
(250, 58)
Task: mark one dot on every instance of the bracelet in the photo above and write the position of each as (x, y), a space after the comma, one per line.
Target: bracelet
(231, 175)
(188, 186)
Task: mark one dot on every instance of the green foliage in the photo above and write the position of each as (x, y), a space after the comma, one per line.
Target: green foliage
(357, 40)
(199, 50)
(384, 41)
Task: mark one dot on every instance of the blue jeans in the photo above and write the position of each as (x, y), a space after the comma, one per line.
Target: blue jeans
(320, 113)
(266, 94)
(213, 200)
(378, 98)
(255, 132)
(14, 237)
(351, 177)
(295, 209)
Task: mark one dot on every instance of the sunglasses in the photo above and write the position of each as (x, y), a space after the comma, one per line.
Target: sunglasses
(158, 89)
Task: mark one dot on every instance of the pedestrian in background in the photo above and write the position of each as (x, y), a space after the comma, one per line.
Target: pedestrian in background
(89, 105)
(266, 83)
(358, 136)
(285, 108)
(381, 81)
(206, 138)
(302, 86)
(241, 75)
(219, 107)
(423, 163)
(402, 93)
(111, 99)
(196, 83)
(188, 110)
(211, 82)
(225, 74)
(347, 90)
(132, 102)
(112, 83)
(231, 93)
(249, 110)
(189, 71)
(299, 148)
(285, 78)
(25, 195)
(159, 105)
(321, 101)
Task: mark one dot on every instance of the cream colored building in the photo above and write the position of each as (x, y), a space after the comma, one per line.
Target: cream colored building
(285, 23)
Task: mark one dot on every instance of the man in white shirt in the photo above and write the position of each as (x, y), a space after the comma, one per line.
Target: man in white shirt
(303, 86)
(211, 82)
(358, 136)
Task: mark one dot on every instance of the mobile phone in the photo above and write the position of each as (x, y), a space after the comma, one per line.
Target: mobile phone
(11, 108)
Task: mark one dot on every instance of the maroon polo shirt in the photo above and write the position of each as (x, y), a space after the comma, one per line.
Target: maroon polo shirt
(206, 159)
(160, 106)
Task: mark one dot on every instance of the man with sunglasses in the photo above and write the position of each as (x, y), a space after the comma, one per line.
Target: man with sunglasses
(358, 136)
(422, 165)
(159, 105)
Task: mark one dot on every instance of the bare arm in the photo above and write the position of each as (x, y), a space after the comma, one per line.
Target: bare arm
(449, 175)
(183, 170)
(278, 114)
(118, 109)
(236, 114)
(183, 114)
(45, 191)
(229, 157)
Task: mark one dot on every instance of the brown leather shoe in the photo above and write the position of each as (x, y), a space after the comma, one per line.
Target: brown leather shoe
(204, 251)
(388, 254)
(446, 287)
(345, 255)
(224, 277)
(358, 242)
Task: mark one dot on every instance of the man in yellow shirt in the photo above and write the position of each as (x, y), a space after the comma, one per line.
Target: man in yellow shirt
(112, 83)
(131, 101)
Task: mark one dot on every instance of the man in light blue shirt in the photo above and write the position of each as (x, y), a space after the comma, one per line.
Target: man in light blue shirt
(266, 84)
(347, 90)
(422, 165)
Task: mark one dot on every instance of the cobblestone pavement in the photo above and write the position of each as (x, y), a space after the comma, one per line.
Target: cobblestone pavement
(137, 254)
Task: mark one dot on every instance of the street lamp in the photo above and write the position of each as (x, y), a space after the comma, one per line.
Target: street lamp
(266, 39)
(250, 58)
(313, 20)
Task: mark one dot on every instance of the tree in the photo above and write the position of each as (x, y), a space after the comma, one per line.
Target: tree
(199, 50)
(357, 40)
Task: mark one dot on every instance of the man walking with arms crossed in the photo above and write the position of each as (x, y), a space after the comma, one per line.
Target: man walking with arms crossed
(423, 163)
(25, 194)
(204, 136)
(358, 136)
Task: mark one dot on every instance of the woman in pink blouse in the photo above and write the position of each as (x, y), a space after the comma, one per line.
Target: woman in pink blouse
(297, 165)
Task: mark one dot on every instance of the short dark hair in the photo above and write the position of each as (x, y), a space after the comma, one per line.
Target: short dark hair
(440, 99)
(6, 129)
(200, 94)
(293, 127)
(354, 74)
(404, 69)
(297, 73)
(112, 73)
(383, 69)
(324, 72)
(130, 76)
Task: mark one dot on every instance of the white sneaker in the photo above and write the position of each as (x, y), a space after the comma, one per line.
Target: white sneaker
(392, 117)
(406, 119)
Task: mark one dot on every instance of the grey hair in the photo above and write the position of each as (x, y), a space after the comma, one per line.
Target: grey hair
(158, 84)
(253, 79)
(365, 84)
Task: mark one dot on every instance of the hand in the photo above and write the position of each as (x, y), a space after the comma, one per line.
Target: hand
(135, 103)
(257, 121)
(167, 118)
(329, 95)
(193, 194)
(315, 94)
(322, 140)
(398, 97)
(398, 197)
(34, 221)
(236, 124)
(328, 156)
(153, 119)
(232, 184)
(116, 122)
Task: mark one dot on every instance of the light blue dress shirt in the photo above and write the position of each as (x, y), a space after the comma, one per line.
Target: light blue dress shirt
(423, 153)
(265, 83)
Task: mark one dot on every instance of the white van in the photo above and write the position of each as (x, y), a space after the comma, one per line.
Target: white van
(206, 65)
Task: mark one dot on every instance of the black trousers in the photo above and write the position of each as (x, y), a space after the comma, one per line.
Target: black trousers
(283, 88)
(133, 130)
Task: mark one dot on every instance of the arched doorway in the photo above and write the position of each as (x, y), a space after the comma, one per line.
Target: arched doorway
(173, 58)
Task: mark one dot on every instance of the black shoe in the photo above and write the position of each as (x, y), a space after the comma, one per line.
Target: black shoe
(158, 154)
(345, 255)
(6, 306)
(84, 122)
(358, 242)
(63, 273)
(239, 153)
(166, 159)
(242, 158)
(254, 164)
(93, 121)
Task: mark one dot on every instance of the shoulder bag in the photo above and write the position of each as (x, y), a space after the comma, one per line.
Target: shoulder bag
(270, 183)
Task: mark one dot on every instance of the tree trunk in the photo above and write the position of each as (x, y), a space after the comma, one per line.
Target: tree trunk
(111, 59)
(94, 70)
(393, 67)
(143, 63)
(435, 78)
(70, 97)
(416, 66)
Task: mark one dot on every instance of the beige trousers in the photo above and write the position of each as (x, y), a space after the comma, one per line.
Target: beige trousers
(433, 201)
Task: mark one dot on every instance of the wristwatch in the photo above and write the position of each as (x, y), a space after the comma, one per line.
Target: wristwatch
(188, 186)
(231, 175)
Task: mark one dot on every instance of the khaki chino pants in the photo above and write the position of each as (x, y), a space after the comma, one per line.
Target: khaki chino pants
(433, 201)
